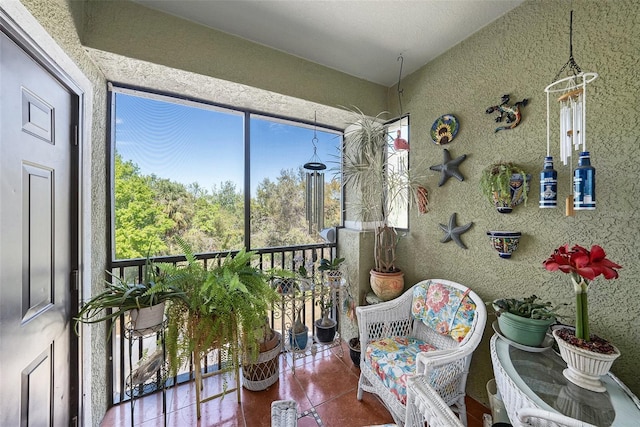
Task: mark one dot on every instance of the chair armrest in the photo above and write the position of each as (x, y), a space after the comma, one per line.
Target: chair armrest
(524, 414)
(427, 361)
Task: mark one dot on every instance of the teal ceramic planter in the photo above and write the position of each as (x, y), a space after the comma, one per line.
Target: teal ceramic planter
(525, 331)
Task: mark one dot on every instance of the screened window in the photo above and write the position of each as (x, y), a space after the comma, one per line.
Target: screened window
(180, 173)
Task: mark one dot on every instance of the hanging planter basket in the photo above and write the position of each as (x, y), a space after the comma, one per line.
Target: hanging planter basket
(143, 321)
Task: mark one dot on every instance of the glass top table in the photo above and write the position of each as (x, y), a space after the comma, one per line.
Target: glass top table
(534, 379)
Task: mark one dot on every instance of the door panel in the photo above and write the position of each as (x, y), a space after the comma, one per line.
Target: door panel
(37, 115)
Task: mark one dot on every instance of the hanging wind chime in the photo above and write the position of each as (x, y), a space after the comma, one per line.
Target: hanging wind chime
(314, 195)
(573, 122)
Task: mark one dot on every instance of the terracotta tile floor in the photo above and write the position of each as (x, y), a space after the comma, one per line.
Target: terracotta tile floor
(324, 386)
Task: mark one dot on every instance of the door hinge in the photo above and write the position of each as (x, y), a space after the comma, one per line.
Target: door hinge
(75, 280)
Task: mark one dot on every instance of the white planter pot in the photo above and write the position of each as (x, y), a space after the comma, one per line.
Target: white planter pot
(147, 319)
(584, 367)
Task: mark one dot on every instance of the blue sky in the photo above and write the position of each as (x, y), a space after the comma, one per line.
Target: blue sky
(188, 144)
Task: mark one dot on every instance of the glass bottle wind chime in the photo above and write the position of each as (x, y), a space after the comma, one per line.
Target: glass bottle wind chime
(573, 113)
(314, 195)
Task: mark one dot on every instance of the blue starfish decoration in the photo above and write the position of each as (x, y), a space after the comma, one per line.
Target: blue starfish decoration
(449, 168)
(453, 231)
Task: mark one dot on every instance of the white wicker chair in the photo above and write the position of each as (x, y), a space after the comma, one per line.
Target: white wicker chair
(528, 417)
(425, 404)
(447, 365)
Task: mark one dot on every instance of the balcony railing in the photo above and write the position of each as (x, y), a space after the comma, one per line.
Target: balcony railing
(132, 270)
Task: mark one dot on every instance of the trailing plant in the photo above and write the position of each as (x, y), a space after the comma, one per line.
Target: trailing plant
(223, 306)
(527, 307)
(495, 182)
(121, 297)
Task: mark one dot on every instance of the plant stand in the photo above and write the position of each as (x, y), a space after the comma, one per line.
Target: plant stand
(150, 375)
(289, 305)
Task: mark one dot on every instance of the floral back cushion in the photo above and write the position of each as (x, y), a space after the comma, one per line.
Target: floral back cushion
(445, 309)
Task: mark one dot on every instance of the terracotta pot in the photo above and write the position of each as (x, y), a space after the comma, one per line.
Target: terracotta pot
(585, 367)
(387, 286)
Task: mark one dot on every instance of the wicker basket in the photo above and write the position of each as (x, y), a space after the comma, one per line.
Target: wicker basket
(265, 371)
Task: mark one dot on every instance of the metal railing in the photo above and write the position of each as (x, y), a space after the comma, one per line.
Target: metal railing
(132, 270)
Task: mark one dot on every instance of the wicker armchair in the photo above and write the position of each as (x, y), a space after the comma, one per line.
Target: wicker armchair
(424, 404)
(431, 329)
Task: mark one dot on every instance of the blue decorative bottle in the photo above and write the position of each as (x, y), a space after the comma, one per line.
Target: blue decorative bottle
(584, 184)
(548, 185)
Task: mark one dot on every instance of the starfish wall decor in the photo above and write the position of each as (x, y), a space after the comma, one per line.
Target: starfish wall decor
(449, 168)
(453, 231)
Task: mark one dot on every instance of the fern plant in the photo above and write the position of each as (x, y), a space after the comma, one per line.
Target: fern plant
(222, 306)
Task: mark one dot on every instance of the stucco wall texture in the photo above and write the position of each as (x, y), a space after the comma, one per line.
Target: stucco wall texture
(518, 54)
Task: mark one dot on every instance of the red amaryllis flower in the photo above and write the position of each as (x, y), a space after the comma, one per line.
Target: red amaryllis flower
(583, 265)
(580, 261)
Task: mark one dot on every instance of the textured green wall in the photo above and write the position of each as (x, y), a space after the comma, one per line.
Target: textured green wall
(520, 54)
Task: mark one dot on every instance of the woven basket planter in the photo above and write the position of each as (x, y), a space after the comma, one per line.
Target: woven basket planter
(266, 370)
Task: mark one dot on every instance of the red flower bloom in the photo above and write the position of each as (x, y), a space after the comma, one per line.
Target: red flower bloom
(579, 261)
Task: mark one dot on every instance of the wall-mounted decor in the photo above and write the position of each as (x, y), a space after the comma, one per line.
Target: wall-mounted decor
(444, 129)
(453, 231)
(573, 122)
(449, 168)
(505, 184)
(505, 242)
(511, 113)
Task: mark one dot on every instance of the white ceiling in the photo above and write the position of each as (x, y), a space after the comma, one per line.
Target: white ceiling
(363, 38)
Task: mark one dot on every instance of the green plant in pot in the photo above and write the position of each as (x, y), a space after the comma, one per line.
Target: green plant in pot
(524, 321)
(325, 326)
(136, 299)
(380, 179)
(222, 307)
(505, 185)
(331, 269)
(299, 332)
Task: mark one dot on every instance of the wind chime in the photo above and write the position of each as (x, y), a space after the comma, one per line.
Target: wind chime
(314, 195)
(573, 122)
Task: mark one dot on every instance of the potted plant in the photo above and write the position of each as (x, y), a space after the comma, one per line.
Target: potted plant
(299, 332)
(263, 371)
(505, 184)
(325, 326)
(382, 179)
(526, 320)
(222, 306)
(588, 356)
(331, 268)
(144, 302)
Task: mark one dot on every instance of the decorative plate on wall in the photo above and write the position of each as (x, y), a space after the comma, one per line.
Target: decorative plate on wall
(444, 129)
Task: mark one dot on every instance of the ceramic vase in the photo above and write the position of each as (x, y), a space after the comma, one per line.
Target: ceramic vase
(517, 185)
(585, 367)
(505, 242)
(298, 341)
(387, 286)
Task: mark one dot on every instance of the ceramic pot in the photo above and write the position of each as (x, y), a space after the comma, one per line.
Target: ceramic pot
(264, 372)
(387, 286)
(585, 367)
(523, 330)
(505, 242)
(146, 319)
(354, 351)
(298, 341)
(325, 334)
(517, 185)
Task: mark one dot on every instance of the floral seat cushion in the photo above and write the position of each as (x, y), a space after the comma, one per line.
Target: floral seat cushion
(394, 359)
(445, 309)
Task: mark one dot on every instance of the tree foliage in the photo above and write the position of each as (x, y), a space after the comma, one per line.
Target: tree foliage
(152, 213)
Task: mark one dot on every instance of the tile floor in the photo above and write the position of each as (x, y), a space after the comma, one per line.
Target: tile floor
(324, 385)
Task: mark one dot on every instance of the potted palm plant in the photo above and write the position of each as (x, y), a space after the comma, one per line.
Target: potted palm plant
(143, 302)
(325, 326)
(524, 321)
(381, 179)
(331, 268)
(505, 185)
